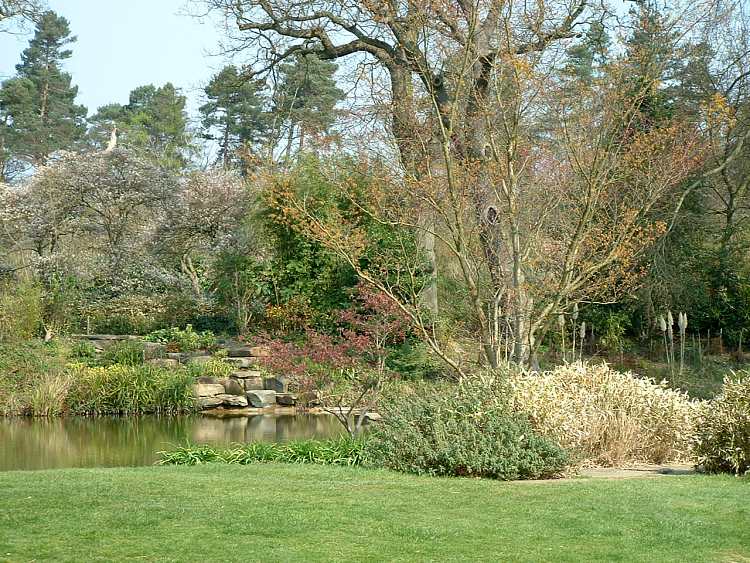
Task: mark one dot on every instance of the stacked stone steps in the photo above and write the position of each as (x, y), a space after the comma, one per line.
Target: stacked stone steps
(245, 387)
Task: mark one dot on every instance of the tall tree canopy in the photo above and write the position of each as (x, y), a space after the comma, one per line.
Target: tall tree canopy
(154, 120)
(306, 97)
(38, 113)
(234, 115)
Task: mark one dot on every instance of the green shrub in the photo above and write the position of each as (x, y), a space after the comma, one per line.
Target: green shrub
(83, 351)
(24, 367)
(20, 311)
(127, 389)
(184, 340)
(723, 430)
(469, 430)
(126, 314)
(215, 367)
(413, 360)
(125, 352)
(342, 451)
(47, 397)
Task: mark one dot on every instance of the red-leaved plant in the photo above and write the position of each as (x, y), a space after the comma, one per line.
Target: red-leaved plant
(350, 366)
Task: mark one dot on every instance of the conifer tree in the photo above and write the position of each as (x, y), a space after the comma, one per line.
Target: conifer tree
(234, 115)
(306, 97)
(38, 113)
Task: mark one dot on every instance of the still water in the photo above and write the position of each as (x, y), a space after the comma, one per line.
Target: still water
(38, 443)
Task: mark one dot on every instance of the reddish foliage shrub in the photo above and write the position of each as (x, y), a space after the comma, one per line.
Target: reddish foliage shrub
(372, 323)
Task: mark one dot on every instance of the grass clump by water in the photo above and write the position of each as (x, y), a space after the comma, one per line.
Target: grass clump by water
(342, 451)
(28, 372)
(123, 389)
(126, 352)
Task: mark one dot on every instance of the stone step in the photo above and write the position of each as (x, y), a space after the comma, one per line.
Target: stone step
(248, 352)
(242, 363)
(246, 374)
(286, 399)
(208, 389)
(261, 398)
(278, 383)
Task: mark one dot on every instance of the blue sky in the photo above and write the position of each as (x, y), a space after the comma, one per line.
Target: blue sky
(126, 43)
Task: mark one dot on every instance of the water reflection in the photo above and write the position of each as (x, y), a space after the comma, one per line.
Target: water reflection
(36, 443)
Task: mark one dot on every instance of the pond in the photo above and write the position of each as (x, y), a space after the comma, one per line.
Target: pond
(42, 443)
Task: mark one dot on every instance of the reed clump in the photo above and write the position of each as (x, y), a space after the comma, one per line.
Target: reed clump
(342, 451)
(123, 389)
(605, 417)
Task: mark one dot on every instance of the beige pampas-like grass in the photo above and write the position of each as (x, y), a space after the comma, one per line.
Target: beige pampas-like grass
(607, 417)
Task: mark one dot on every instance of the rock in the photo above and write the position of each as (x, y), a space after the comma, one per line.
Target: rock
(309, 398)
(163, 362)
(373, 417)
(200, 360)
(241, 363)
(208, 389)
(260, 351)
(261, 398)
(286, 399)
(208, 380)
(154, 350)
(234, 387)
(179, 356)
(245, 374)
(239, 352)
(232, 400)
(277, 383)
(210, 402)
(253, 383)
(104, 337)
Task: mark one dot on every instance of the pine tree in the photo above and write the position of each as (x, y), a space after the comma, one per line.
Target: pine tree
(306, 97)
(154, 121)
(37, 107)
(234, 115)
(650, 60)
(584, 57)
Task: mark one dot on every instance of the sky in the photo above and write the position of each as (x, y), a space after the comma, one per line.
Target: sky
(123, 44)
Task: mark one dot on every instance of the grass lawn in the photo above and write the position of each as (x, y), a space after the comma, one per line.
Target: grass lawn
(317, 513)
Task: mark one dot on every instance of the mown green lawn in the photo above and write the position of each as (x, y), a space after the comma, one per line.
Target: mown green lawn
(316, 513)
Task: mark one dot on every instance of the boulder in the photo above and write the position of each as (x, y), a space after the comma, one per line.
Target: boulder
(286, 399)
(261, 399)
(234, 387)
(253, 383)
(154, 350)
(309, 398)
(246, 373)
(373, 417)
(210, 402)
(208, 380)
(260, 351)
(241, 363)
(208, 389)
(239, 352)
(179, 356)
(277, 383)
(163, 362)
(232, 400)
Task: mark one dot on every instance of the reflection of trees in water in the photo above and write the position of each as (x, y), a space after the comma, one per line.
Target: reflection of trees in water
(37, 443)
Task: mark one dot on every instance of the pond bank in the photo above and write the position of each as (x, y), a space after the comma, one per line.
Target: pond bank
(47, 443)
